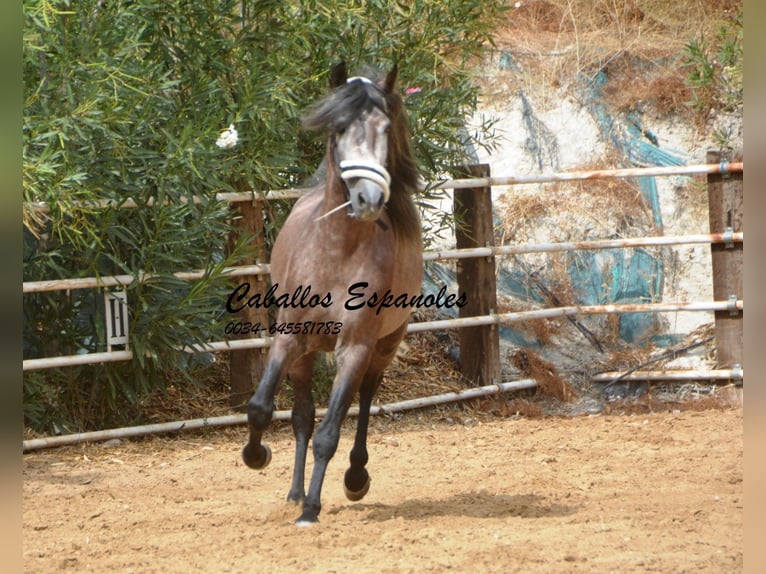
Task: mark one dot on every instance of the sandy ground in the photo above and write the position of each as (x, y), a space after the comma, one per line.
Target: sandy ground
(645, 493)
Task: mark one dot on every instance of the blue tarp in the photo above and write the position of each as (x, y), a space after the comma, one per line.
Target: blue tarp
(634, 275)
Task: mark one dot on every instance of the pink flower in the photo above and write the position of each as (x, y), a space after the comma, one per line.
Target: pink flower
(410, 91)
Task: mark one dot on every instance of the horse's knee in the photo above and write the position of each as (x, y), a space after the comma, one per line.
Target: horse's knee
(325, 443)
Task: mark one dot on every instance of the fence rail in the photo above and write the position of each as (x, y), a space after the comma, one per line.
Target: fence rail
(728, 237)
(284, 415)
(484, 320)
(723, 168)
(724, 239)
(125, 280)
(436, 255)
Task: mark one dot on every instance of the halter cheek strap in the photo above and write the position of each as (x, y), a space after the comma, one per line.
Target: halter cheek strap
(372, 170)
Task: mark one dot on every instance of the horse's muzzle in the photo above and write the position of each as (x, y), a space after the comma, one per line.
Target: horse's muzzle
(368, 186)
(367, 199)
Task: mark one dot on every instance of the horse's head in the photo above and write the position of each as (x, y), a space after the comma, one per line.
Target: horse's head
(358, 116)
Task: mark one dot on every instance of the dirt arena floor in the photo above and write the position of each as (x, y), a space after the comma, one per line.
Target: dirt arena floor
(660, 492)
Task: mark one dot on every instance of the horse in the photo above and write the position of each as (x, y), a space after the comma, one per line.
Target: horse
(348, 245)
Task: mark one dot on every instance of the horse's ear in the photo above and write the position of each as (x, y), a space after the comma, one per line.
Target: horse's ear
(390, 81)
(338, 75)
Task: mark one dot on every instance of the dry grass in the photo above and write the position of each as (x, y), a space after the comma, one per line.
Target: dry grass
(622, 197)
(592, 208)
(592, 29)
(520, 208)
(642, 82)
(207, 396)
(549, 382)
(543, 329)
(555, 43)
(423, 368)
(652, 403)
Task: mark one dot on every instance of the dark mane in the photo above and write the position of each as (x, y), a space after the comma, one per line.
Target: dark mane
(346, 103)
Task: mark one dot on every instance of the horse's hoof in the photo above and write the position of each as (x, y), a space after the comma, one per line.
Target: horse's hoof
(295, 498)
(306, 519)
(257, 463)
(357, 494)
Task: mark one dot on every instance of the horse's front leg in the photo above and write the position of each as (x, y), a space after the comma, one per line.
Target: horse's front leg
(303, 421)
(356, 481)
(352, 364)
(260, 408)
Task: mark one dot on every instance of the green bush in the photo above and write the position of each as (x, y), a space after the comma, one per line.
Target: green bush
(125, 99)
(714, 69)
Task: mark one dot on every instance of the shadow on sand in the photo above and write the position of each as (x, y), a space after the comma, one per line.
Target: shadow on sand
(480, 504)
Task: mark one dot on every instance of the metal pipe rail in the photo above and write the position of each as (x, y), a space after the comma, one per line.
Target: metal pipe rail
(729, 237)
(125, 280)
(234, 197)
(672, 375)
(494, 319)
(699, 169)
(734, 237)
(230, 420)
(437, 255)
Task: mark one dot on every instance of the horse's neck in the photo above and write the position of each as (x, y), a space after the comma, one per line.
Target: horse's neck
(338, 230)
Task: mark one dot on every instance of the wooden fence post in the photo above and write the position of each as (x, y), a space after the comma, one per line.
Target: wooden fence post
(725, 196)
(246, 365)
(479, 346)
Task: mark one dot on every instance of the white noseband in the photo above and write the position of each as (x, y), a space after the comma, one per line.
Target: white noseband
(372, 170)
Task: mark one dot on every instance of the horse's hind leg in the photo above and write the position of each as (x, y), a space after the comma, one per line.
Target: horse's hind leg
(260, 408)
(356, 481)
(303, 421)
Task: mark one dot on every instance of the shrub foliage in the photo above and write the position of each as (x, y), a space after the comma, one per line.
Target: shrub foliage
(125, 99)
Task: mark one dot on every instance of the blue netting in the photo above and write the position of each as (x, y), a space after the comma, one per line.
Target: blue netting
(597, 277)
